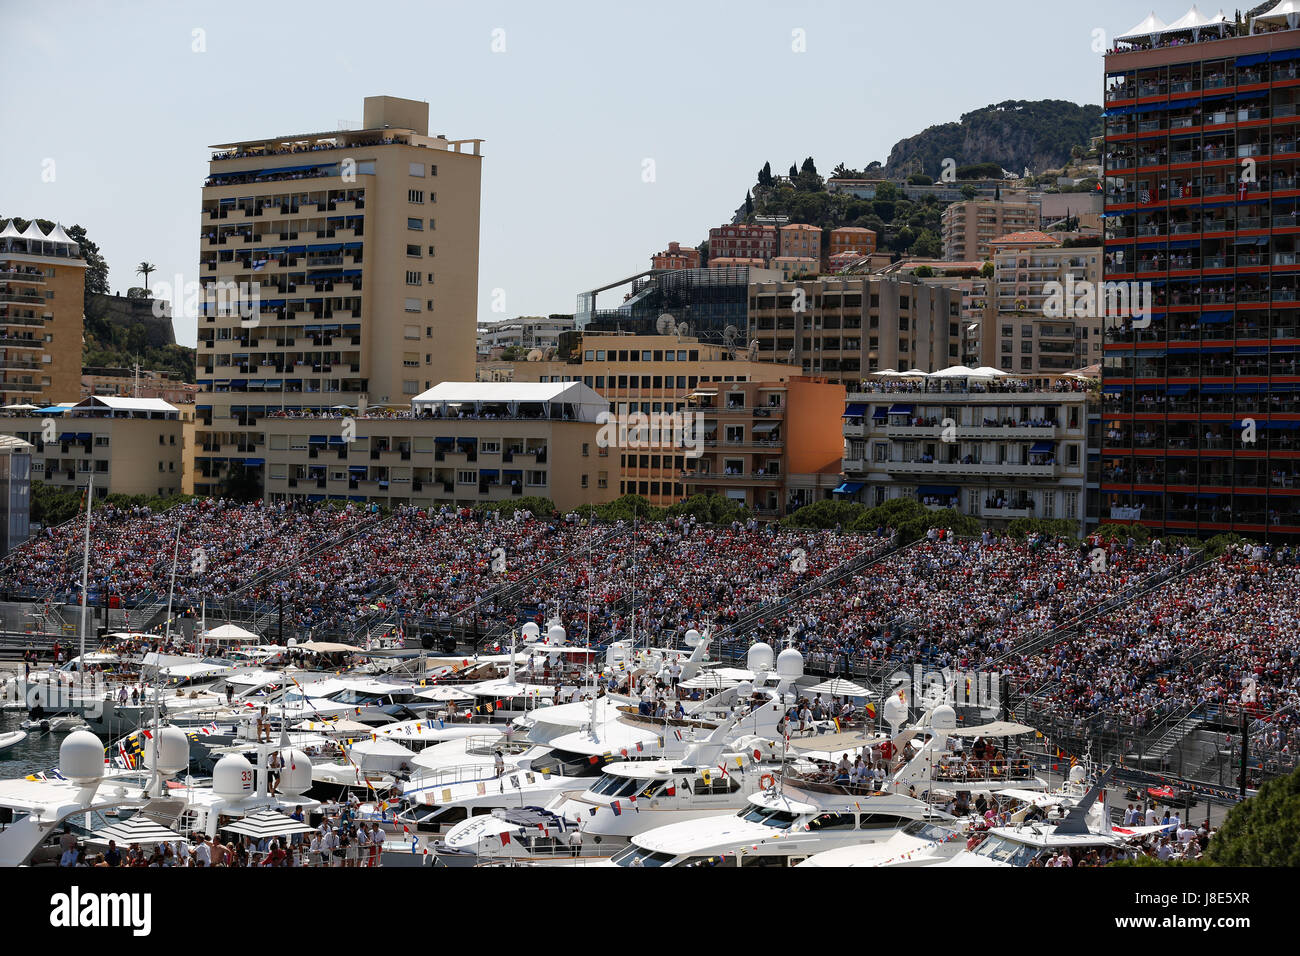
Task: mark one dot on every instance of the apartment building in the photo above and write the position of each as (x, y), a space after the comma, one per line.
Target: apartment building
(771, 446)
(358, 250)
(1202, 401)
(461, 444)
(1032, 325)
(799, 240)
(653, 375)
(676, 256)
(42, 299)
(843, 327)
(970, 227)
(852, 239)
(994, 451)
(132, 446)
(526, 332)
(731, 243)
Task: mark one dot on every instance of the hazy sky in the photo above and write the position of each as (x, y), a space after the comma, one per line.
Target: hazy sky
(583, 94)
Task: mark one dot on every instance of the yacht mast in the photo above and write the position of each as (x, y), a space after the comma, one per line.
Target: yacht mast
(85, 571)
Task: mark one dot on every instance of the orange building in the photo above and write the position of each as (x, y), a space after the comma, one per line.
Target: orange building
(742, 241)
(676, 256)
(853, 239)
(772, 446)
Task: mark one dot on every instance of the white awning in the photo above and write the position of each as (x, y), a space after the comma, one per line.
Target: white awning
(586, 401)
(1151, 26)
(57, 234)
(957, 371)
(33, 231)
(11, 231)
(1287, 12)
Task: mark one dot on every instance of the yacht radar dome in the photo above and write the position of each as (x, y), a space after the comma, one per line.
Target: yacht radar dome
(232, 777)
(895, 711)
(1077, 774)
(173, 751)
(943, 719)
(555, 634)
(692, 638)
(295, 778)
(789, 664)
(759, 657)
(744, 691)
(81, 757)
(531, 631)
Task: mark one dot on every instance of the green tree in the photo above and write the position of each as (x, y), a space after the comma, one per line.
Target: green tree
(1263, 830)
(749, 205)
(928, 245)
(987, 270)
(923, 272)
(969, 192)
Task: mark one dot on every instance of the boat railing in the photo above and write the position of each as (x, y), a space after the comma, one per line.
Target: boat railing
(446, 776)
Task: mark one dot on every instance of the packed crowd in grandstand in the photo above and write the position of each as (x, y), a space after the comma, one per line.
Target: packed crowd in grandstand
(1057, 619)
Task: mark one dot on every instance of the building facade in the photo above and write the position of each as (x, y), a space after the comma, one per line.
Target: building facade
(42, 315)
(852, 239)
(1201, 415)
(462, 444)
(358, 250)
(653, 375)
(131, 446)
(743, 241)
(676, 256)
(771, 446)
(996, 453)
(526, 332)
(1033, 326)
(843, 327)
(970, 227)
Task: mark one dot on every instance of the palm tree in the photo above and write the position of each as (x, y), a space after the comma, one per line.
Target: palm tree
(144, 268)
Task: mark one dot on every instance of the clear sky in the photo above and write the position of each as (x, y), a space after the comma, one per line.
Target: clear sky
(583, 94)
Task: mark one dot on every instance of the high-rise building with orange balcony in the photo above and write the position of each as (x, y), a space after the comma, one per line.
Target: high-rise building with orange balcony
(1201, 397)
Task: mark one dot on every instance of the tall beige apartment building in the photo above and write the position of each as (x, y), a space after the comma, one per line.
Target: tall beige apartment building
(42, 316)
(1023, 331)
(842, 327)
(969, 228)
(361, 250)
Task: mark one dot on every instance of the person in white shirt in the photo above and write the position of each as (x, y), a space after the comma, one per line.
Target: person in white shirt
(363, 844)
(313, 850)
(1151, 817)
(203, 854)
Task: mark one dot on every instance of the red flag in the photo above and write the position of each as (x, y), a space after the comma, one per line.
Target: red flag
(593, 759)
(505, 838)
(670, 790)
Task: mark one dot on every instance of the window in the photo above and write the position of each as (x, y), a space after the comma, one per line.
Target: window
(413, 252)
(584, 481)
(412, 332)
(586, 450)
(602, 479)
(431, 251)
(411, 359)
(415, 224)
(412, 278)
(412, 305)
(467, 477)
(416, 169)
(535, 477)
(432, 225)
(1072, 504)
(410, 387)
(415, 195)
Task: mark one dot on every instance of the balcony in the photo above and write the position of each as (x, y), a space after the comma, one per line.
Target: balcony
(973, 432)
(1006, 514)
(692, 477)
(19, 275)
(18, 298)
(979, 468)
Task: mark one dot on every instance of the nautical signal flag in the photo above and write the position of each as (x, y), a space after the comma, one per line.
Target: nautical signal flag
(670, 790)
(593, 759)
(618, 811)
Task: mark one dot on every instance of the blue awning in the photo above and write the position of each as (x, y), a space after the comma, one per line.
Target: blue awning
(937, 491)
(900, 409)
(1215, 388)
(1215, 318)
(336, 439)
(1115, 389)
(1042, 447)
(356, 468)
(1281, 56)
(1178, 390)
(855, 410)
(1184, 243)
(880, 412)
(444, 441)
(849, 488)
(488, 473)
(1252, 59)
(257, 462)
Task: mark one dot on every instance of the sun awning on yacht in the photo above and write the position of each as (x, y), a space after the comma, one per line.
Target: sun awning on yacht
(998, 728)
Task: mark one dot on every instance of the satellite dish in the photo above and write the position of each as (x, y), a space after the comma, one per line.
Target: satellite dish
(666, 325)
(753, 350)
(683, 330)
(536, 355)
(730, 334)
